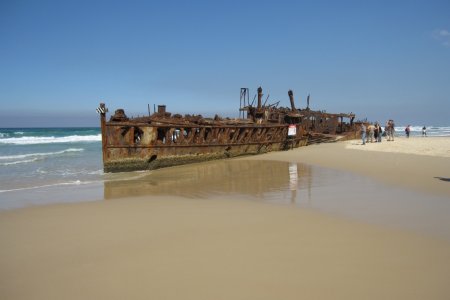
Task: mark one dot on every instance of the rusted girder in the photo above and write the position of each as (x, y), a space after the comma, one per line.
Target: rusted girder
(291, 98)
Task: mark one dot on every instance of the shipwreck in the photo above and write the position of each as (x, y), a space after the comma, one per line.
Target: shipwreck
(163, 139)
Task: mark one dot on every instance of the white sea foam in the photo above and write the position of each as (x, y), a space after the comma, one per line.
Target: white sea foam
(98, 172)
(75, 182)
(32, 140)
(21, 156)
(19, 162)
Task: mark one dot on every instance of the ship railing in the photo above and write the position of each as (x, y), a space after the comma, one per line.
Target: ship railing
(199, 135)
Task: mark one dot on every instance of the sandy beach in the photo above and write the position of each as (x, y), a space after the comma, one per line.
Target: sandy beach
(420, 164)
(161, 246)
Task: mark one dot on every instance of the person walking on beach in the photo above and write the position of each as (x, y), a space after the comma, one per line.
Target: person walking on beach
(363, 133)
(408, 130)
(424, 131)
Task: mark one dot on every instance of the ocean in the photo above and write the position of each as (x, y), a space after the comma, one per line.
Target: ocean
(42, 165)
(417, 130)
(31, 158)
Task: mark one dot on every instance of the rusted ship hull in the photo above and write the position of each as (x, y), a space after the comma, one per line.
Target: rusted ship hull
(162, 140)
(183, 145)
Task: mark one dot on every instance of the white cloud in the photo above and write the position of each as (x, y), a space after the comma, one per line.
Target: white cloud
(443, 36)
(444, 32)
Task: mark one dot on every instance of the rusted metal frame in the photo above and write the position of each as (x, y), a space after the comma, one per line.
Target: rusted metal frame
(235, 134)
(196, 145)
(123, 124)
(215, 133)
(262, 133)
(181, 138)
(271, 132)
(208, 135)
(277, 134)
(243, 135)
(169, 135)
(250, 137)
(250, 134)
(201, 136)
(226, 135)
(255, 134)
(191, 135)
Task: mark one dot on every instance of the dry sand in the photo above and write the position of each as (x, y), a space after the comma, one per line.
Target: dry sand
(157, 247)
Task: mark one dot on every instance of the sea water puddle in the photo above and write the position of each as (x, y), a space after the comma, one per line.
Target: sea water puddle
(325, 190)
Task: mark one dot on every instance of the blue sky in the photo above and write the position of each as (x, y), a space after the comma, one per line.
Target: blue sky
(379, 59)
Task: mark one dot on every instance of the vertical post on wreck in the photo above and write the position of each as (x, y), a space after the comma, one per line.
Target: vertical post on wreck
(291, 98)
(260, 94)
(102, 111)
(244, 95)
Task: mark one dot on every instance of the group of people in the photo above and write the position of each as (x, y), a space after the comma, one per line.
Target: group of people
(374, 132)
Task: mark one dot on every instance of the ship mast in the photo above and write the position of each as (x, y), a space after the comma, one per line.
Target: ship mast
(101, 110)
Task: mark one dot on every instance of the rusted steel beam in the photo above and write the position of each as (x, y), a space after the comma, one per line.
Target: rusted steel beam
(291, 98)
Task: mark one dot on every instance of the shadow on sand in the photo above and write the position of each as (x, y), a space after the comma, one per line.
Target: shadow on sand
(443, 179)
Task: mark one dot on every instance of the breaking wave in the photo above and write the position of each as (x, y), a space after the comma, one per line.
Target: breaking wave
(19, 162)
(33, 140)
(19, 156)
(32, 157)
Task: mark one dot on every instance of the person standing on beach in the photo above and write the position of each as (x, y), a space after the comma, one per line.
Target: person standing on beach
(375, 135)
(408, 130)
(363, 133)
(424, 131)
(390, 131)
(379, 132)
(371, 132)
(387, 129)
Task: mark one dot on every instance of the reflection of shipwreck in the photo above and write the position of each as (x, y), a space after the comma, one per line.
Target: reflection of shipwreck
(235, 178)
(162, 139)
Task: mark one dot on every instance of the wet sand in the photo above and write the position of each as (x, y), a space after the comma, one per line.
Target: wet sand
(217, 245)
(419, 164)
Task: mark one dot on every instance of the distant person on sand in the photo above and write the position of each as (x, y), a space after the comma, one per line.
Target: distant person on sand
(379, 130)
(381, 133)
(371, 129)
(408, 130)
(363, 133)
(390, 130)
(424, 131)
(375, 135)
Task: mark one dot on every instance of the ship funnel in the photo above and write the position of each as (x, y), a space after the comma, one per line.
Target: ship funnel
(291, 97)
(259, 96)
(161, 109)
